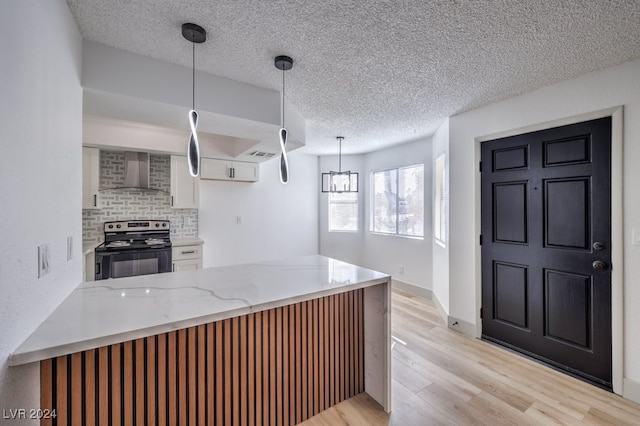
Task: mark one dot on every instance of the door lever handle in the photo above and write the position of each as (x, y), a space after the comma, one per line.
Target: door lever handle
(598, 265)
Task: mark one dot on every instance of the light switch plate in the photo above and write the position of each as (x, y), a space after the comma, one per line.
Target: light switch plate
(44, 260)
(635, 236)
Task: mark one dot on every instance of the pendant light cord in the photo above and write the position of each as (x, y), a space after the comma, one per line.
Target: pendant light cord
(340, 156)
(283, 97)
(193, 76)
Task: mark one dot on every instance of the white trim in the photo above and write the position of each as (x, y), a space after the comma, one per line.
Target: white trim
(461, 326)
(443, 313)
(631, 390)
(617, 227)
(412, 288)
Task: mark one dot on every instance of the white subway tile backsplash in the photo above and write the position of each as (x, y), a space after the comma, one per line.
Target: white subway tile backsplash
(134, 204)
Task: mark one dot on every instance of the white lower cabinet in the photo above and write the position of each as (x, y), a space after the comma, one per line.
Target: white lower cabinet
(229, 170)
(186, 257)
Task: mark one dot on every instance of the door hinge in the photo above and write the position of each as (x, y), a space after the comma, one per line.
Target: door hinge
(480, 166)
(481, 313)
(480, 239)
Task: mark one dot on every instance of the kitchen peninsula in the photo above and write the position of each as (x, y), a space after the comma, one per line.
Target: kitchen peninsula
(273, 342)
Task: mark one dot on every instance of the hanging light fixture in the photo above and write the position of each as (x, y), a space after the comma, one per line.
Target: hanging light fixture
(340, 181)
(283, 63)
(195, 34)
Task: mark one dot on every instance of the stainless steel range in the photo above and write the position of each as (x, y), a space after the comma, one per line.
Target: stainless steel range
(134, 248)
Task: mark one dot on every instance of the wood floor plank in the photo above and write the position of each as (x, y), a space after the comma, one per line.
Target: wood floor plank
(444, 377)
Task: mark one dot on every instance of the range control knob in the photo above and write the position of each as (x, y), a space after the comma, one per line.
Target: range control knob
(157, 225)
(164, 225)
(110, 226)
(118, 226)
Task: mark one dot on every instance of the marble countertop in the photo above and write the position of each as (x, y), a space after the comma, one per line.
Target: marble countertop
(101, 313)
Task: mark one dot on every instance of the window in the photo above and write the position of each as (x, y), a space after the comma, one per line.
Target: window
(439, 215)
(343, 212)
(398, 201)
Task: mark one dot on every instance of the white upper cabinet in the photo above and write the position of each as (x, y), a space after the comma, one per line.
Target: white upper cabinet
(90, 178)
(229, 170)
(185, 189)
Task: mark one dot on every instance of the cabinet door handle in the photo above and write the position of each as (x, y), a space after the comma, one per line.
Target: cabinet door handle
(188, 252)
(173, 267)
(172, 200)
(95, 200)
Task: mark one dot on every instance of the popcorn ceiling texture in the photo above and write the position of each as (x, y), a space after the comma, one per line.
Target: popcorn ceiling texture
(128, 204)
(378, 72)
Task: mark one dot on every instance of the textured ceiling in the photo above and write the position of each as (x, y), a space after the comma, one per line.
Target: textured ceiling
(378, 72)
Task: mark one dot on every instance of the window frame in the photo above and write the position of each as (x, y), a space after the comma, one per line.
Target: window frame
(331, 202)
(439, 200)
(372, 204)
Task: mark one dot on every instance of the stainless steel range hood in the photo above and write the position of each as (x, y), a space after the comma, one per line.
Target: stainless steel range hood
(136, 170)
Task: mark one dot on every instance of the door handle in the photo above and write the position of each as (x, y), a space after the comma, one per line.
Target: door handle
(95, 200)
(599, 265)
(598, 246)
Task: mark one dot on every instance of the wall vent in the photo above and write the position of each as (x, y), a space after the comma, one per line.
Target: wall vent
(262, 154)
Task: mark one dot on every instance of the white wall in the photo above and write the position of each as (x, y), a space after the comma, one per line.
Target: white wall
(619, 85)
(41, 175)
(346, 246)
(440, 145)
(386, 252)
(277, 221)
(383, 252)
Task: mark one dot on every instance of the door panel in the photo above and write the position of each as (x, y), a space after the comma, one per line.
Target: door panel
(546, 198)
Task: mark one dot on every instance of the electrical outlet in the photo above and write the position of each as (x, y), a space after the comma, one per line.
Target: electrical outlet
(401, 269)
(44, 260)
(239, 220)
(69, 248)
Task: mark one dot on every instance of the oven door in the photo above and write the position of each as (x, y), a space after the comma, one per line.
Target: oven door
(118, 264)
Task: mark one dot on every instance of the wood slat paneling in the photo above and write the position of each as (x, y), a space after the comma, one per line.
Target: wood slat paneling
(277, 367)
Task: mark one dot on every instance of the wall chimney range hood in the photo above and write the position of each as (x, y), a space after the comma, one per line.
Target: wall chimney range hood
(136, 170)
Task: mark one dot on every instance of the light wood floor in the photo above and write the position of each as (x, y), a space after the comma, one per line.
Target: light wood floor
(444, 377)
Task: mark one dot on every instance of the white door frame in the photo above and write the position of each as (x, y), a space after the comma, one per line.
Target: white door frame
(617, 227)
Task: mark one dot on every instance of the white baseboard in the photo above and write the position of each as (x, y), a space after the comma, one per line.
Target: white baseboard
(411, 288)
(631, 390)
(460, 326)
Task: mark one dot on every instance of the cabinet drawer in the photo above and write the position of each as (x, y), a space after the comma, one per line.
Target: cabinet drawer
(186, 252)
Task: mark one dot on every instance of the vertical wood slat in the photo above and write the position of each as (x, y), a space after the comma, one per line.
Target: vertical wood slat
(139, 410)
(150, 378)
(116, 383)
(192, 366)
(127, 384)
(219, 375)
(292, 364)
(258, 363)
(89, 386)
(172, 374)
(76, 383)
(242, 336)
(251, 360)
(279, 373)
(161, 400)
(272, 367)
(210, 355)
(265, 367)
(46, 388)
(279, 366)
